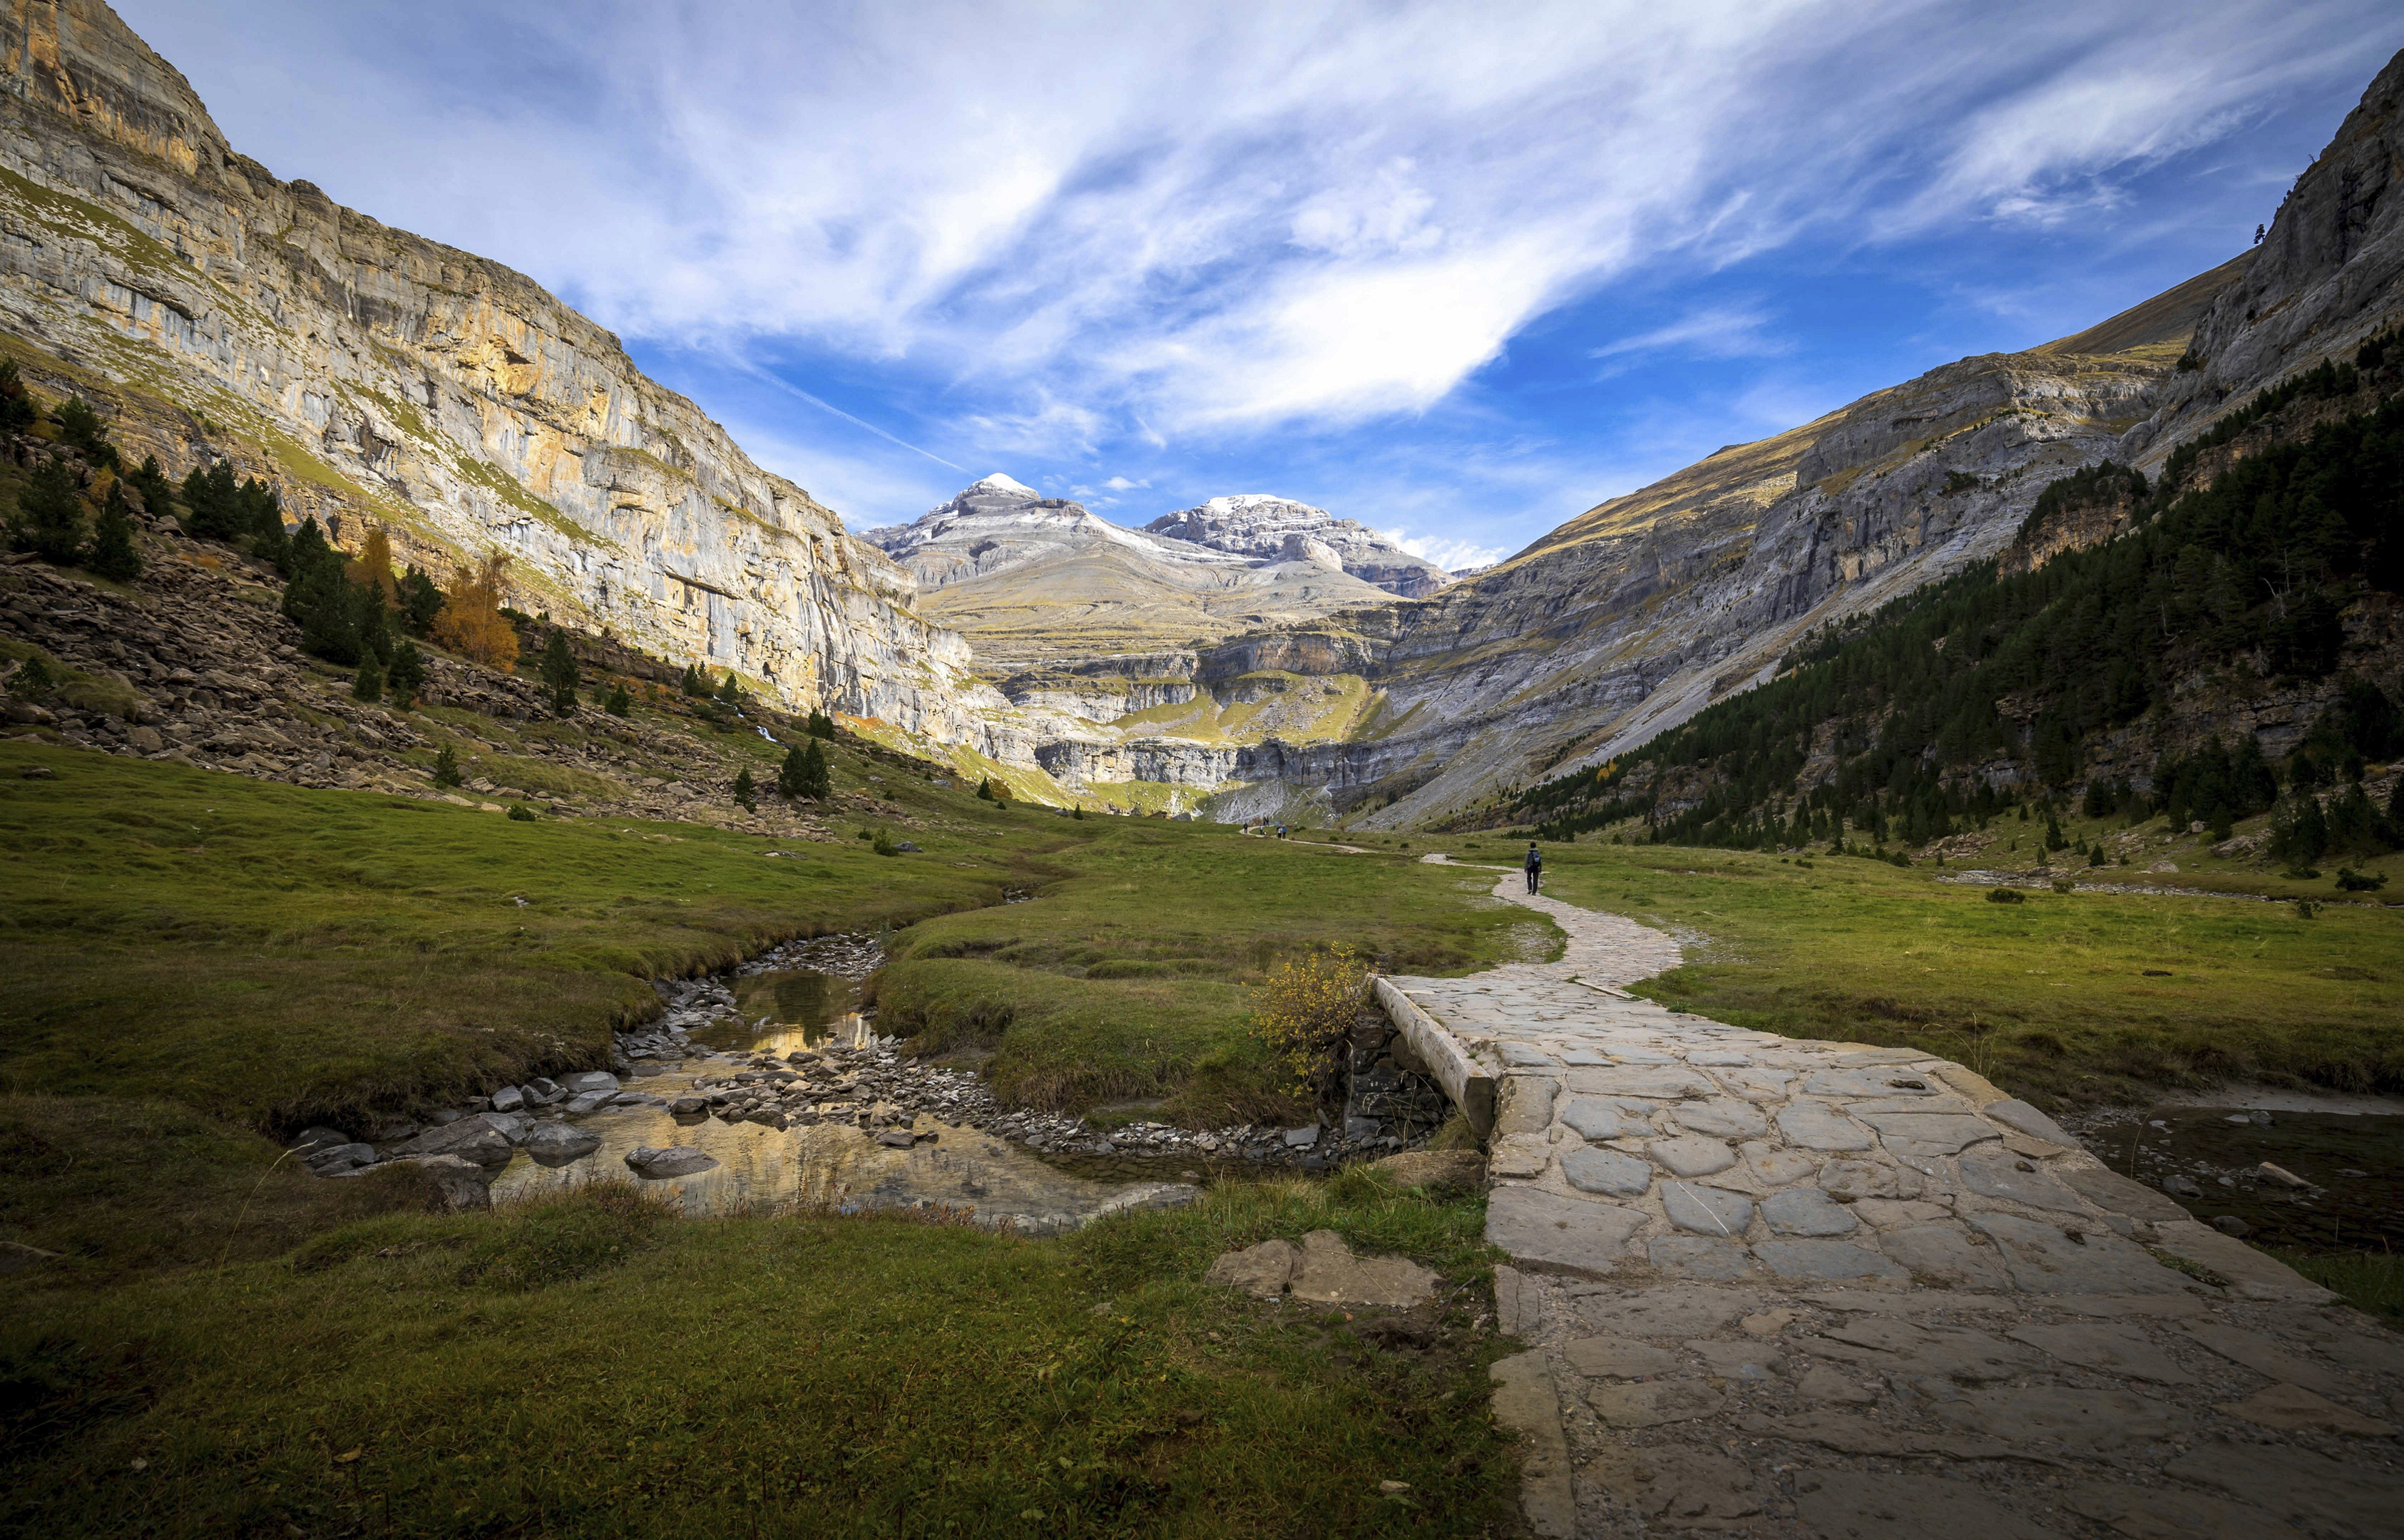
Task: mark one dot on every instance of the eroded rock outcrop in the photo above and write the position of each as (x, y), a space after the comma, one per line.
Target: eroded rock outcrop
(215, 311)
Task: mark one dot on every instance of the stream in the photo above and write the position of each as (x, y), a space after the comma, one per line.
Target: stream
(829, 1162)
(2210, 1161)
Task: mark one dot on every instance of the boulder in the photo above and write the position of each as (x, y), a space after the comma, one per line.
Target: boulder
(1329, 1274)
(557, 1144)
(461, 1183)
(319, 1138)
(584, 1080)
(469, 1138)
(677, 1161)
(508, 1099)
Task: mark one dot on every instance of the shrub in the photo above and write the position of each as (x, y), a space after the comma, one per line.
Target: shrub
(1303, 1012)
(882, 844)
(2063, 884)
(2350, 880)
(520, 813)
(446, 766)
(2005, 896)
(471, 623)
(33, 681)
(112, 539)
(559, 673)
(618, 703)
(51, 522)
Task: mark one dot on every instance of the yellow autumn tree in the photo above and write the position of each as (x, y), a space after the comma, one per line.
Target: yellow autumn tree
(1303, 1012)
(372, 566)
(471, 623)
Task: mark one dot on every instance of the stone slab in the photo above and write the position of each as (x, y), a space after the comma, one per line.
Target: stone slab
(2251, 1274)
(1619, 1357)
(1706, 1211)
(1827, 1261)
(1691, 1155)
(1564, 1232)
(1806, 1211)
(2043, 1259)
(1526, 1403)
(1941, 1254)
(1651, 1403)
(1593, 1117)
(1999, 1173)
(1814, 1126)
(1606, 1171)
(2113, 1350)
(1701, 1256)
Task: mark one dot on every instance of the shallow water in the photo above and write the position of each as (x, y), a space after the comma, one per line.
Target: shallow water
(2356, 1161)
(826, 1165)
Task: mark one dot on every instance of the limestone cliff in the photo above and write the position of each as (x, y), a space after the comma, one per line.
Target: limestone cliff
(378, 378)
(1275, 529)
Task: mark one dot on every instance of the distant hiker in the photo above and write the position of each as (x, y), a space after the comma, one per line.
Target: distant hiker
(1280, 831)
(1534, 866)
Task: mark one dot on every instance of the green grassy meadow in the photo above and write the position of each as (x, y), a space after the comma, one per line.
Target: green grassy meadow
(2066, 998)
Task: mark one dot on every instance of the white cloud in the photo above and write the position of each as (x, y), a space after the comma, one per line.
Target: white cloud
(1716, 331)
(1120, 483)
(1451, 555)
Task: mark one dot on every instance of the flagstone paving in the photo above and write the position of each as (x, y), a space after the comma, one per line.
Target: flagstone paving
(1781, 1287)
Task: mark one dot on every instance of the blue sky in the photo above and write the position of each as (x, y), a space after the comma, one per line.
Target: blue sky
(1460, 271)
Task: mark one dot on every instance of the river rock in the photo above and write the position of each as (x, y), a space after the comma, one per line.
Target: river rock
(469, 1138)
(557, 1144)
(508, 1099)
(457, 1181)
(318, 1137)
(677, 1161)
(585, 1080)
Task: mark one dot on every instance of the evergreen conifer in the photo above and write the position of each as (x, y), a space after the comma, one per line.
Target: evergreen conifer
(818, 784)
(16, 409)
(560, 674)
(33, 679)
(446, 766)
(743, 790)
(407, 675)
(368, 684)
(158, 494)
(52, 526)
(619, 706)
(820, 725)
(985, 789)
(420, 602)
(79, 429)
(112, 539)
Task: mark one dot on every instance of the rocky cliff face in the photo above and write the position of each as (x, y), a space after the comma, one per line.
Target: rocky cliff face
(215, 311)
(2330, 272)
(1274, 529)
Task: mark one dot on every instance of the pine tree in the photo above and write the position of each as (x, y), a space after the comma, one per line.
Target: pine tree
(215, 499)
(112, 539)
(446, 766)
(368, 684)
(790, 776)
(559, 673)
(80, 428)
(820, 725)
(33, 680)
(420, 602)
(985, 789)
(407, 675)
(158, 494)
(16, 409)
(692, 684)
(619, 706)
(818, 783)
(52, 510)
(743, 790)
(731, 691)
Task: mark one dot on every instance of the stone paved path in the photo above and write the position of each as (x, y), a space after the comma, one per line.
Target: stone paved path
(1781, 1287)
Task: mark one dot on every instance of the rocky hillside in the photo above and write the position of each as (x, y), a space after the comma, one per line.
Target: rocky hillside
(1276, 529)
(214, 310)
(1630, 619)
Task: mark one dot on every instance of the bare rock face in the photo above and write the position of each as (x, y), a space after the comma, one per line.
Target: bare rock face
(1268, 528)
(381, 379)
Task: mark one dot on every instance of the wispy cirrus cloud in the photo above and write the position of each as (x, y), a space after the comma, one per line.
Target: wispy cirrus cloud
(1065, 232)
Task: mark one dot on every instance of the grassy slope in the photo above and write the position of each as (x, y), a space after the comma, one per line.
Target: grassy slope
(2051, 998)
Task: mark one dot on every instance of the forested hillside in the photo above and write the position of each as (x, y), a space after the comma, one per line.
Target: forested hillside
(2264, 561)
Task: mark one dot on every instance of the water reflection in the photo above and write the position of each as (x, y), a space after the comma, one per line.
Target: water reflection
(829, 1164)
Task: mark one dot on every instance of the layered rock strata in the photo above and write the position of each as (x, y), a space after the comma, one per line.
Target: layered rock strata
(382, 379)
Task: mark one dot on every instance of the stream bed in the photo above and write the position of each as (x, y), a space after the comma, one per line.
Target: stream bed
(2352, 1165)
(749, 1025)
